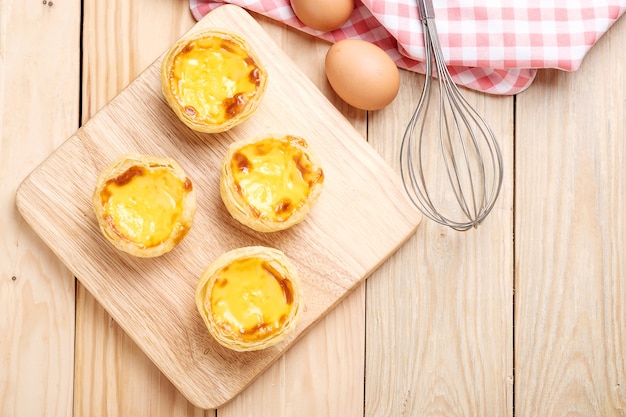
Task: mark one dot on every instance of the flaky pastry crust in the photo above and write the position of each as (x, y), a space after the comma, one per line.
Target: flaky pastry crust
(270, 202)
(219, 316)
(124, 222)
(221, 89)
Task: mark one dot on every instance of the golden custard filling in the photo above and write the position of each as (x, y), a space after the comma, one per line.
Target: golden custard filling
(251, 299)
(145, 205)
(214, 79)
(274, 177)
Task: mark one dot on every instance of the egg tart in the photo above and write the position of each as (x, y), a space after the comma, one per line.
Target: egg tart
(145, 205)
(270, 183)
(249, 298)
(213, 80)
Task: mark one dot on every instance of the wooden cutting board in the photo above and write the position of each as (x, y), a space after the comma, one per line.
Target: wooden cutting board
(361, 218)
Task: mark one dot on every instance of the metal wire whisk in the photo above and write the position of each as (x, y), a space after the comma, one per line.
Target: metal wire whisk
(464, 154)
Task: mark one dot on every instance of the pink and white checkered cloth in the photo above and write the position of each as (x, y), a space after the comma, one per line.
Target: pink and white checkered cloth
(494, 47)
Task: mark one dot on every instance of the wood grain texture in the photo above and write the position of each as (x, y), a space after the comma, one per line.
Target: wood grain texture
(439, 316)
(112, 374)
(333, 350)
(120, 39)
(570, 228)
(569, 262)
(36, 290)
(322, 374)
(334, 253)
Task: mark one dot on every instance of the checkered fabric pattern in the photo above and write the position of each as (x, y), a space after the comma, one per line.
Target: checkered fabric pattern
(489, 46)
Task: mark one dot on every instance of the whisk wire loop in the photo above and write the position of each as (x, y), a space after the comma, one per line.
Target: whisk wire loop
(468, 150)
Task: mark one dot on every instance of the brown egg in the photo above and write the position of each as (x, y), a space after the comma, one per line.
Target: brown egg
(362, 74)
(324, 15)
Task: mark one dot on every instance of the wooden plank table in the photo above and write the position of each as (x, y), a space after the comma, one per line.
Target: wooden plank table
(524, 316)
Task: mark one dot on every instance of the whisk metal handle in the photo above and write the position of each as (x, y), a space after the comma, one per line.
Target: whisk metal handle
(426, 9)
